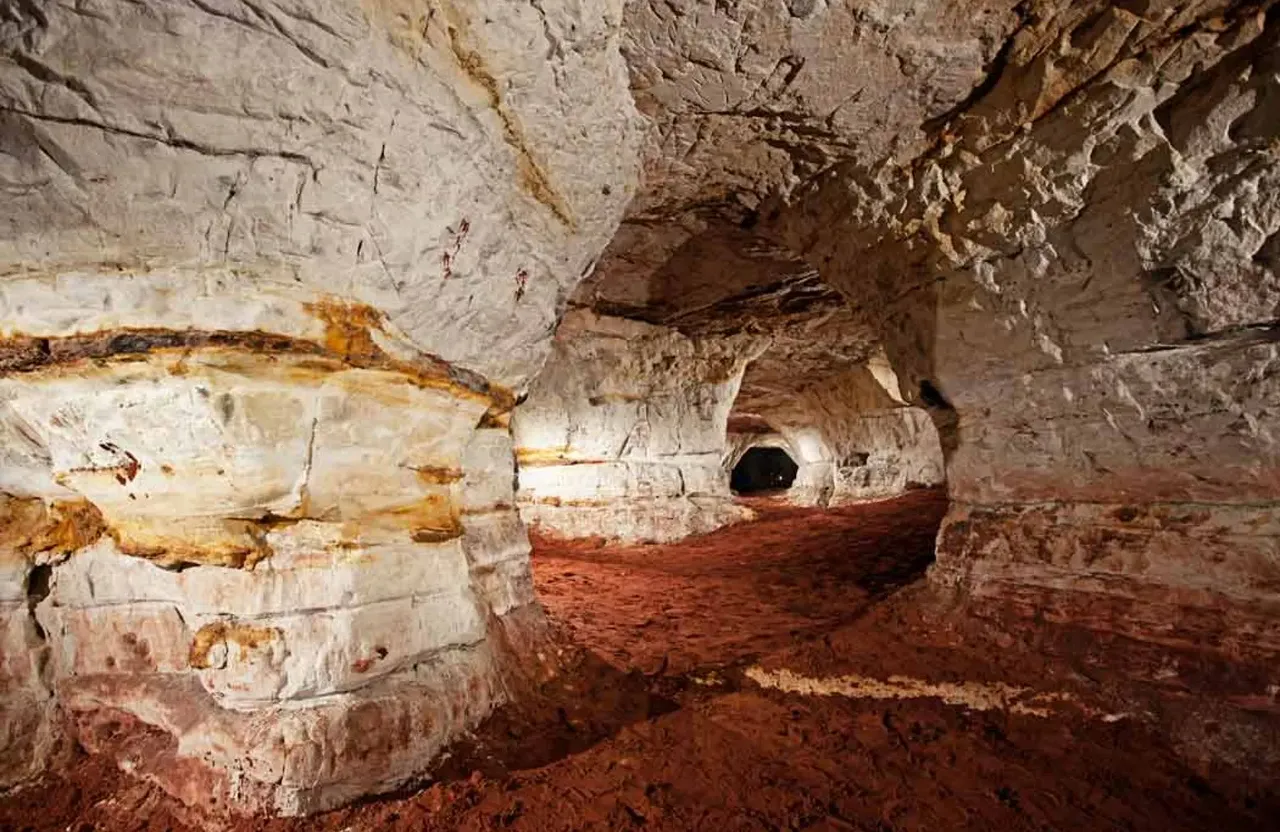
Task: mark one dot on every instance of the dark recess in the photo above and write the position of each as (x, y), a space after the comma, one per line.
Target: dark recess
(763, 469)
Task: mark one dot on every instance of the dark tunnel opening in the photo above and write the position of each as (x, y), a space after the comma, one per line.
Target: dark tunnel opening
(763, 469)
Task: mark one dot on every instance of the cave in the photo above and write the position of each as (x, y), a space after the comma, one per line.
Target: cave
(395, 397)
(763, 469)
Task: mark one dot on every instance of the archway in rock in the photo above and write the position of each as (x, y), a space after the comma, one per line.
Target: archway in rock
(851, 434)
(763, 469)
(277, 332)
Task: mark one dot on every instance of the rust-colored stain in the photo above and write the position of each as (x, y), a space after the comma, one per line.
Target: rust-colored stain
(448, 257)
(550, 457)
(124, 472)
(24, 353)
(436, 535)
(562, 502)
(614, 398)
(408, 25)
(347, 342)
(32, 528)
(363, 665)
(531, 177)
(493, 419)
(491, 508)
(247, 637)
(432, 518)
(179, 553)
(242, 544)
(348, 329)
(437, 474)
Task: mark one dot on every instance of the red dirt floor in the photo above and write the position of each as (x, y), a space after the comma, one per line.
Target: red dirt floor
(657, 720)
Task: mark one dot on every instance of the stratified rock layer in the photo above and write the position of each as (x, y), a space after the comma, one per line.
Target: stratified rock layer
(271, 278)
(622, 434)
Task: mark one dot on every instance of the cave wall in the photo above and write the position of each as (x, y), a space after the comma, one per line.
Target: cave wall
(855, 440)
(274, 274)
(271, 280)
(884, 453)
(1084, 271)
(622, 435)
(1145, 499)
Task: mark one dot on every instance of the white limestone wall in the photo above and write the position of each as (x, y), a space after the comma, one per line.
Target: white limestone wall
(271, 281)
(853, 439)
(1085, 272)
(622, 434)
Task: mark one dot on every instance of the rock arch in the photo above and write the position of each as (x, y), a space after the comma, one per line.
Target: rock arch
(274, 276)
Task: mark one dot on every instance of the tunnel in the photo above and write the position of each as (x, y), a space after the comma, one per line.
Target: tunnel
(600, 414)
(763, 469)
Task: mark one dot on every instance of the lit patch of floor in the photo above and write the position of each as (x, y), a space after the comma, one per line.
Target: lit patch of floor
(979, 696)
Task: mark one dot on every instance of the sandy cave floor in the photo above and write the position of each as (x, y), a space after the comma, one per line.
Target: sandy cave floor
(753, 679)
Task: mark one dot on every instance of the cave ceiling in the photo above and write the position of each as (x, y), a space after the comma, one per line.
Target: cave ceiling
(748, 101)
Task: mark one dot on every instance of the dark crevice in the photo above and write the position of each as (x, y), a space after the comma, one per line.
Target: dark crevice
(39, 581)
(932, 396)
(171, 141)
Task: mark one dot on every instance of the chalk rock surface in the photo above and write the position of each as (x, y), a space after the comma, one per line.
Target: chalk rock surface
(622, 434)
(1078, 281)
(272, 275)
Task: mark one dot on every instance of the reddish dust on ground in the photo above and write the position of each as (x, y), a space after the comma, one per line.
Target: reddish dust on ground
(745, 590)
(658, 721)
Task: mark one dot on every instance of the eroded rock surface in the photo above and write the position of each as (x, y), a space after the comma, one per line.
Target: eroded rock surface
(274, 275)
(1051, 272)
(622, 434)
(271, 278)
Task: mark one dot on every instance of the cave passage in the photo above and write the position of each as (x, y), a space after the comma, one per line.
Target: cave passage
(763, 469)
(604, 420)
(791, 574)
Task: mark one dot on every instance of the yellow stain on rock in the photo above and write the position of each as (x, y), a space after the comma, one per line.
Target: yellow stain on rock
(30, 527)
(246, 637)
(409, 25)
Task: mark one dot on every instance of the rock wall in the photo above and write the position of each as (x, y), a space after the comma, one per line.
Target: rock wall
(1079, 280)
(884, 453)
(854, 440)
(623, 433)
(271, 279)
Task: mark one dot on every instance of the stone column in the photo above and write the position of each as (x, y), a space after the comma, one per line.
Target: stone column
(271, 280)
